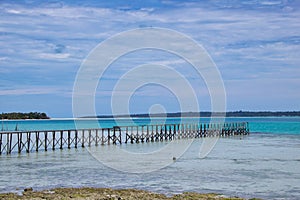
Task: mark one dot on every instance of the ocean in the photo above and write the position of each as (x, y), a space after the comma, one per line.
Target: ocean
(264, 164)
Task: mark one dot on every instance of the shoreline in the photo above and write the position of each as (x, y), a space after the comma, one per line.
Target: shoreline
(108, 193)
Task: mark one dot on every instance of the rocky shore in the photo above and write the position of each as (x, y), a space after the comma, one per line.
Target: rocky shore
(107, 194)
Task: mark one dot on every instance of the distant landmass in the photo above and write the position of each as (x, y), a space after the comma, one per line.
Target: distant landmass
(209, 114)
(19, 115)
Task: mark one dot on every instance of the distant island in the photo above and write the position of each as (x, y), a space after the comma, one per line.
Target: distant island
(19, 115)
(209, 114)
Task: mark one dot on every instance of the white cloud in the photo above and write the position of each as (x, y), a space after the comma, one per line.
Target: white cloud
(29, 91)
(54, 55)
(3, 59)
(250, 41)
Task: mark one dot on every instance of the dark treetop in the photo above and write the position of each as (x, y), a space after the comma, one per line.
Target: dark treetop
(18, 115)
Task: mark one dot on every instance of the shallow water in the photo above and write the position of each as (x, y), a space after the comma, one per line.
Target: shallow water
(265, 164)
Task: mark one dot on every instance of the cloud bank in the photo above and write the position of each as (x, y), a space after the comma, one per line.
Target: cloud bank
(254, 43)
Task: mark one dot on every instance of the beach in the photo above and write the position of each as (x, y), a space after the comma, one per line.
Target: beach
(109, 194)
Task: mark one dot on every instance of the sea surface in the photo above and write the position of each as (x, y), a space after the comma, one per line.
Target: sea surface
(265, 164)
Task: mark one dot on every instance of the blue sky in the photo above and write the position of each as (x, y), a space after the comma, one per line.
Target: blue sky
(254, 43)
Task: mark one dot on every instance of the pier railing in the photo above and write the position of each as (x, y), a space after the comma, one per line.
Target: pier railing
(34, 141)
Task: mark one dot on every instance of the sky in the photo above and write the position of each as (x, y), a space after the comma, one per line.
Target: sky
(255, 45)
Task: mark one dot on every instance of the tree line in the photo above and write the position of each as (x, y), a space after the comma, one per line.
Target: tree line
(209, 114)
(19, 115)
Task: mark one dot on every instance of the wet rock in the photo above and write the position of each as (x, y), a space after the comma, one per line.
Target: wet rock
(28, 189)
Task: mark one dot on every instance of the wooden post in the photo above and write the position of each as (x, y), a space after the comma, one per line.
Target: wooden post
(90, 135)
(127, 135)
(96, 142)
(46, 140)
(193, 130)
(166, 132)
(197, 130)
(161, 133)
(10, 143)
(82, 139)
(188, 129)
(28, 142)
(37, 137)
(152, 133)
(132, 135)
(147, 136)
(179, 131)
(61, 139)
(222, 129)
(108, 137)
(69, 139)
(102, 137)
(142, 135)
(76, 138)
(53, 140)
(227, 130)
(137, 139)
(1, 143)
(174, 131)
(114, 135)
(120, 136)
(156, 133)
(19, 142)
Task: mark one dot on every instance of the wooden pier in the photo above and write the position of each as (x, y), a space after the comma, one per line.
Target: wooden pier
(34, 141)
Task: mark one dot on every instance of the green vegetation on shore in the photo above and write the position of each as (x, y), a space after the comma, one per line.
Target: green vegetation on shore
(19, 115)
(209, 114)
(106, 193)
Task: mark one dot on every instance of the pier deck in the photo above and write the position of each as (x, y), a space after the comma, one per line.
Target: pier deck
(34, 141)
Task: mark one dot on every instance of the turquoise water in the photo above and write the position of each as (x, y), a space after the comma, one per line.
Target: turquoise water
(272, 125)
(264, 164)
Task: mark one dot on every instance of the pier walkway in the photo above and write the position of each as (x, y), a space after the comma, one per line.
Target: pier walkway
(34, 141)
